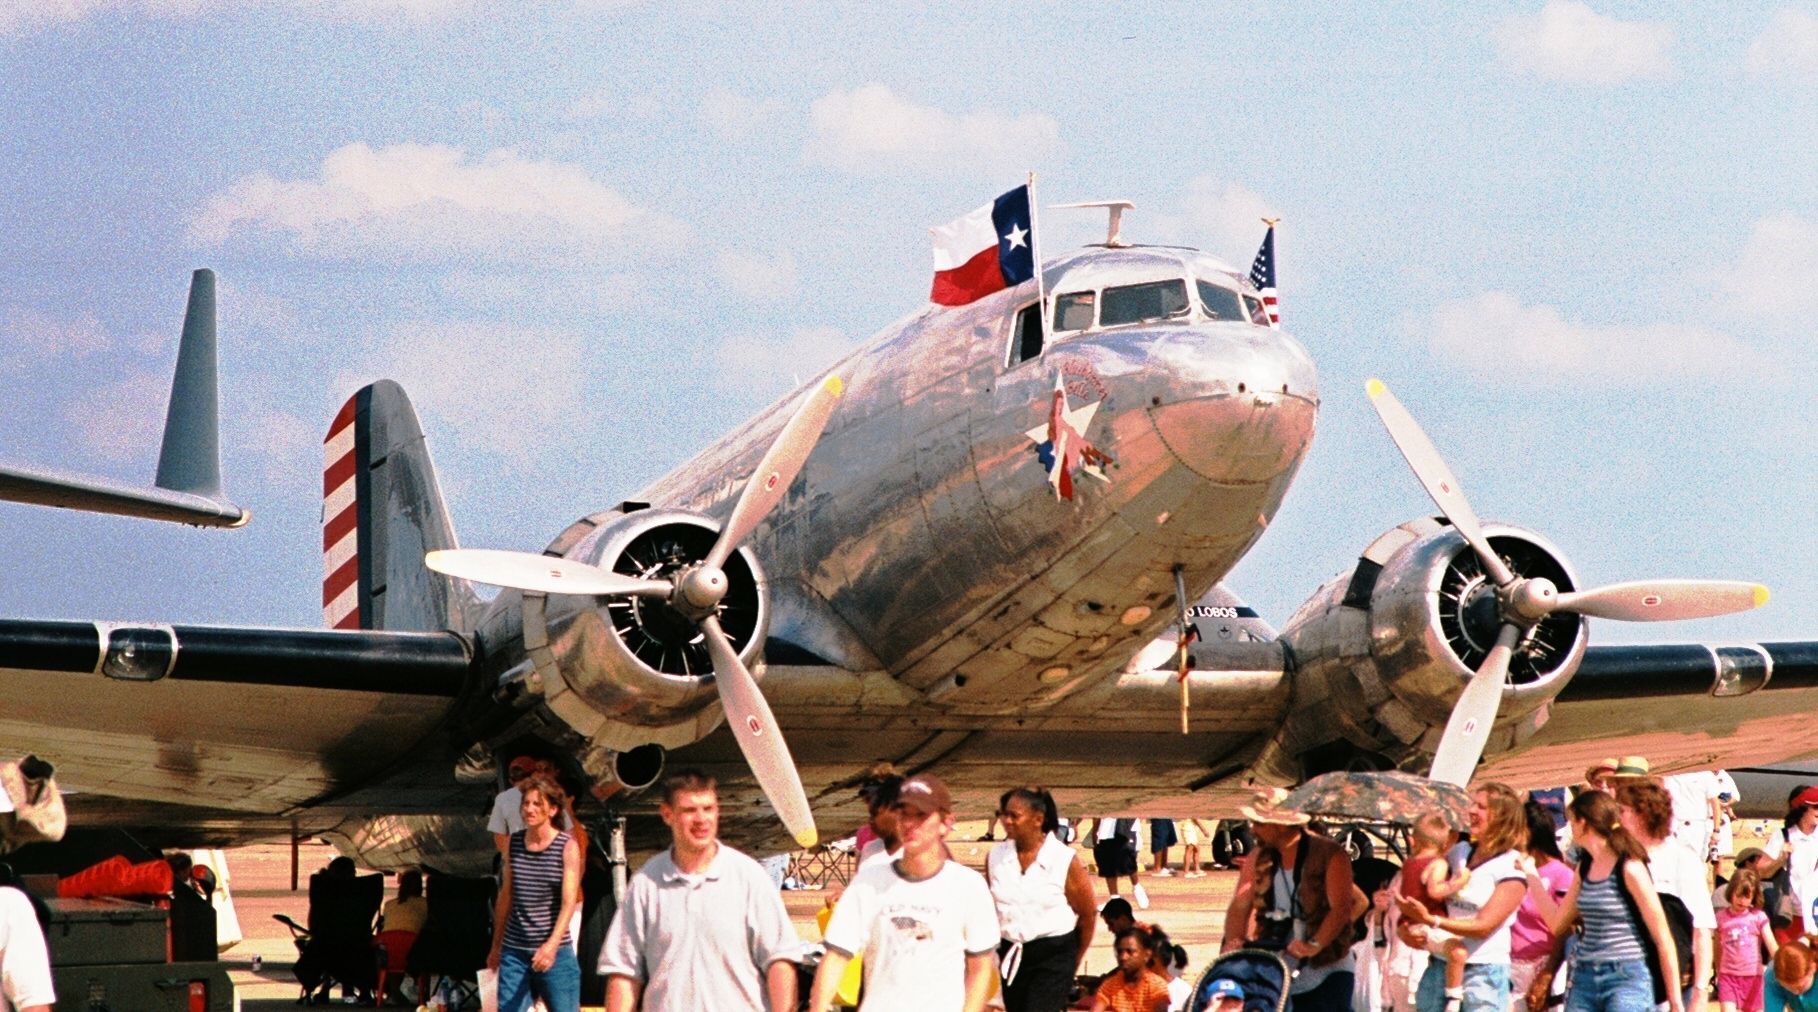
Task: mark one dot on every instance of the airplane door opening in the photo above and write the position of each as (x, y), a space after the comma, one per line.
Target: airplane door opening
(1026, 338)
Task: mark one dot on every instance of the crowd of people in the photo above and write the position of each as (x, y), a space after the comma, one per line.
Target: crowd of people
(1607, 897)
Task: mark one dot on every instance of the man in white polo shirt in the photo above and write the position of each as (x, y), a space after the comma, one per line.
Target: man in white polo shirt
(925, 925)
(702, 926)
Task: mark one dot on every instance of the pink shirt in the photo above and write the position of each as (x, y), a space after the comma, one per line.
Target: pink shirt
(1528, 936)
(1739, 935)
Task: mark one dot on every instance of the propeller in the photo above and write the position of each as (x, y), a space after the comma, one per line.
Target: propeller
(696, 591)
(1523, 601)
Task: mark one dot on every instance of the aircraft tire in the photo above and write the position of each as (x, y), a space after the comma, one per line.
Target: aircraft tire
(1359, 845)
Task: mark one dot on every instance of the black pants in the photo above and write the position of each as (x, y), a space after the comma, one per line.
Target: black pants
(1044, 979)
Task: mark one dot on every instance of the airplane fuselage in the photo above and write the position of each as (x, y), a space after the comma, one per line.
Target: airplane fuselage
(925, 535)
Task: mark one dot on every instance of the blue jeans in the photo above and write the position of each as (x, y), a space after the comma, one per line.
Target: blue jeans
(1605, 986)
(1486, 987)
(1332, 995)
(559, 986)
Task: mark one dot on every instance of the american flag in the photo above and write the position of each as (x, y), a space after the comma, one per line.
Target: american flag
(1262, 272)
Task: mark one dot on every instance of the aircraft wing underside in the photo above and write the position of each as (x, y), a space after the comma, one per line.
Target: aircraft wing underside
(226, 724)
(248, 733)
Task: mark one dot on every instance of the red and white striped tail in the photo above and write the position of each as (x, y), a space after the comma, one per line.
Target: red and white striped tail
(340, 524)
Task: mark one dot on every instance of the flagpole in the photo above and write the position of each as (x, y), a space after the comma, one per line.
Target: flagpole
(1035, 253)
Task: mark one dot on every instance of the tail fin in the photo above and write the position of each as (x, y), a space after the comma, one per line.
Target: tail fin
(381, 511)
(190, 459)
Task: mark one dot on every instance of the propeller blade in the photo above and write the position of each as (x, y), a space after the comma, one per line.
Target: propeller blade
(1468, 730)
(781, 463)
(758, 736)
(1435, 476)
(1664, 600)
(545, 573)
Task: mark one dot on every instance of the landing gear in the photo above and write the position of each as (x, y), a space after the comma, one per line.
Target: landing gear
(603, 883)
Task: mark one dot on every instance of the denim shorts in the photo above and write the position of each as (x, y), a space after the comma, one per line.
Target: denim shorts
(1486, 987)
(1622, 985)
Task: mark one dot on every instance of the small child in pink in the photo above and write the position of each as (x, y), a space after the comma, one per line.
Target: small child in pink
(1742, 934)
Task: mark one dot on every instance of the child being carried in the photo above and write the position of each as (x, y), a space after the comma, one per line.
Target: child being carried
(1428, 880)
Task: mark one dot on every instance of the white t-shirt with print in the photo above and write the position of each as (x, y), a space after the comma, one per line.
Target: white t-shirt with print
(1494, 947)
(915, 935)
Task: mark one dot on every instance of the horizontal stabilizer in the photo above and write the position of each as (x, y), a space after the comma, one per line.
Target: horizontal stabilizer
(188, 483)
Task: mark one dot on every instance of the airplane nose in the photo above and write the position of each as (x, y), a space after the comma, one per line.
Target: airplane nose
(1244, 408)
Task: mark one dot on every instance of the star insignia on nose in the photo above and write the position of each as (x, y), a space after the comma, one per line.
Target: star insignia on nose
(1016, 235)
(1061, 446)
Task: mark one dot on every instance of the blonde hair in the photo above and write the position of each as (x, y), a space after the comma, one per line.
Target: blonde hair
(1431, 829)
(1507, 828)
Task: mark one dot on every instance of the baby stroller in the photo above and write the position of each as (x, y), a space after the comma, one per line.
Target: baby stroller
(1262, 973)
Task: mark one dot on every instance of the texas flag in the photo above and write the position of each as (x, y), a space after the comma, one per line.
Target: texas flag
(983, 252)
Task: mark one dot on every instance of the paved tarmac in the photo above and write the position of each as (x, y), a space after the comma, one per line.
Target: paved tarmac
(1190, 910)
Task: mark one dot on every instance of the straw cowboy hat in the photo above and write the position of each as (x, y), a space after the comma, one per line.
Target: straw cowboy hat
(1632, 766)
(1265, 806)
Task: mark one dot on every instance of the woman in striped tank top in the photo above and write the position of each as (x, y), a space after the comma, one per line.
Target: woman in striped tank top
(1615, 897)
(531, 948)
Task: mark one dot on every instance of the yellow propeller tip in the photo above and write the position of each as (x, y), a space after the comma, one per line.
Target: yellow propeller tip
(834, 386)
(807, 838)
(1761, 595)
(1374, 387)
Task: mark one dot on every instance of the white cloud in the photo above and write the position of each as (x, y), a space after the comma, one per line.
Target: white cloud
(1223, 218)
(430, 202)
(28, 337)
(763, 364)
(498, 388)
(1568, 41)
(1497, 336)
(871, 129)
(123, 420)
(732, 116)
(1787, 48)
(1777, 273)
(757, 276)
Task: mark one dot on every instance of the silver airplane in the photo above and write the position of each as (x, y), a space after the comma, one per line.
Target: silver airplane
(970, 546)
(187, 486)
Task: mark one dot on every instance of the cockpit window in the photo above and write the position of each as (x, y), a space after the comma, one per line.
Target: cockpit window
(1073, 311)
(1259, 315)
(1151, 300)
(1220, 303)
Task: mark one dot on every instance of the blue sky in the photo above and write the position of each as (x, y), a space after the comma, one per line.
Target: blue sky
(1580, 242)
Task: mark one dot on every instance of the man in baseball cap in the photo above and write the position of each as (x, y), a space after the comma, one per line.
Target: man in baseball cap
(926, 925)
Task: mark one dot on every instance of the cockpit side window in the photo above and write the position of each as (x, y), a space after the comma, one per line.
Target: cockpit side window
(1220, 303)
(1074, 311)
(1026, 334)
(1259, 314)
(1151, 300)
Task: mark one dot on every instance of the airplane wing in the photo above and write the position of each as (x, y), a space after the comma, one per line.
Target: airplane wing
(232, 726)
(1683, 706)
(187, 488)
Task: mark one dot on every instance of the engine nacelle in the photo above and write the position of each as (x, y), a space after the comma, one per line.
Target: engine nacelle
(1380, 656)
(620, 673)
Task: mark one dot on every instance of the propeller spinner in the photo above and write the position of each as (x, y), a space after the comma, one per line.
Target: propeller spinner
(1521, 602)
(696, 592)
